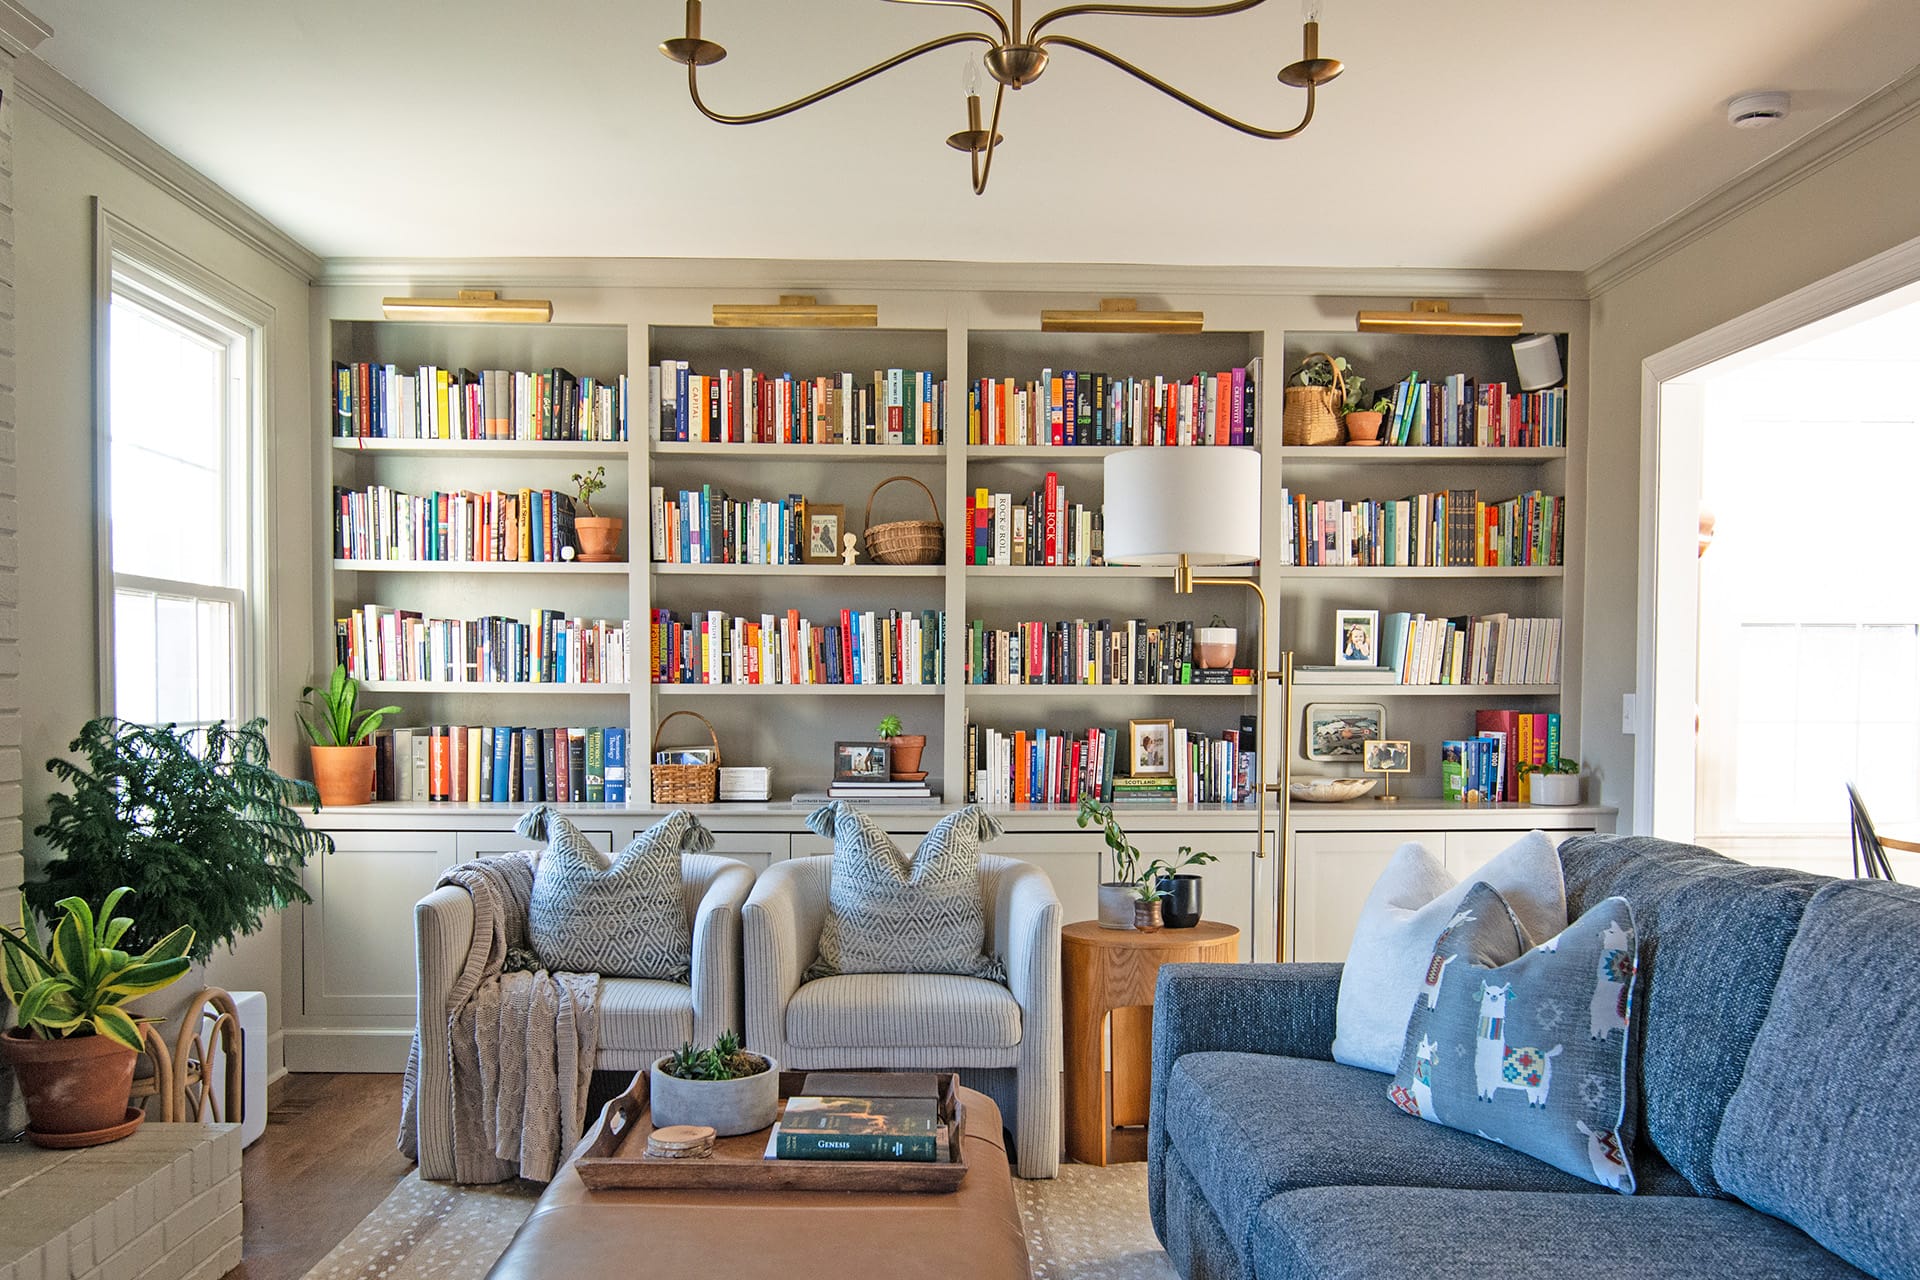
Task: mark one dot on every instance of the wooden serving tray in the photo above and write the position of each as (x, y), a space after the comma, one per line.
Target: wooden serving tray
(617, 1156)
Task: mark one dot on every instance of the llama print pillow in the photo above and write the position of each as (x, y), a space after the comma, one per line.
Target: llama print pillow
(1531, 1054)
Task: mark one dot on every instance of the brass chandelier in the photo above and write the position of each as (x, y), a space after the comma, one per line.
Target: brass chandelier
(1015, 56)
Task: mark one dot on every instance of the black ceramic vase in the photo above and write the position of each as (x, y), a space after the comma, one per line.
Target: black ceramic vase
(1180, 909)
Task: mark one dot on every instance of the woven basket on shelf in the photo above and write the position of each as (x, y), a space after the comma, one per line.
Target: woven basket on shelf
(1311, 415)
(905, 541)
(686, 783)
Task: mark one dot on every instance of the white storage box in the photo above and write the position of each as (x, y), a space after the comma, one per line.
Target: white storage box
(747, 782)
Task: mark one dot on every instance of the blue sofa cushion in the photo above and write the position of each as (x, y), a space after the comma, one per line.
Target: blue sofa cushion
(1713, 934)
(1250, 1125)
(1823, 1130)
(1364, 1233)
(1530, 1052)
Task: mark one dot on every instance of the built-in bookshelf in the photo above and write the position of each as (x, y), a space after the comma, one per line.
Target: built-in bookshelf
(1460, 531)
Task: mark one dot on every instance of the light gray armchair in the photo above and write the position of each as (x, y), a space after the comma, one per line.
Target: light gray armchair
(1003, 1040)
(640, 1018)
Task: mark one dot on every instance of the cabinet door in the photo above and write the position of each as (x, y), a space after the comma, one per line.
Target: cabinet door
(1468, 851)
(357, 934)
(481, 844)
(758, 849)
(1333, 871)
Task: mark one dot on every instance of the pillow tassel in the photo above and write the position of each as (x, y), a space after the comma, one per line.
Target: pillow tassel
(821, 820)
(989, 826)
(696, 838)
(534, 822)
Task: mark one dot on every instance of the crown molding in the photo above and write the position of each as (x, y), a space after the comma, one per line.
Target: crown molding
(793, 275)
(48, 91)
(1888, 109)
(20, 31)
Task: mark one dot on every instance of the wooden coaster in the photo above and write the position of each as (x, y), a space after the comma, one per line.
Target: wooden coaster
(679, 1137)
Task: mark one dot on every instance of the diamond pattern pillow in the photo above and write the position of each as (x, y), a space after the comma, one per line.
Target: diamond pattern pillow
(1532, 1053)
(887, 913)
(619, 919)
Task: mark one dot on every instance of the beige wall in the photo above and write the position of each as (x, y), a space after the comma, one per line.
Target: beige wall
(1861, 204)
(58, 174)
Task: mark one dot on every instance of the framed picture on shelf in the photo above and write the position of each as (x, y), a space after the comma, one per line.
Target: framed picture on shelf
(862, 762)
(1337, 732)
(1150, 748)
(1385, 755)
(1356, 638)
(825, 523)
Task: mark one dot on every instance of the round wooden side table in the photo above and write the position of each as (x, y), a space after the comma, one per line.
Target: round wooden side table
(1111, 973)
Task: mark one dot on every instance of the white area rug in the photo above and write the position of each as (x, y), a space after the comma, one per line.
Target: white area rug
(1087, 1224)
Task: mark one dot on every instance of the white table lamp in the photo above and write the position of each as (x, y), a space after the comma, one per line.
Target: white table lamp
(1200, 506)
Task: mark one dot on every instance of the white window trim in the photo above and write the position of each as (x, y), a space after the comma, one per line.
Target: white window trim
(122, 248)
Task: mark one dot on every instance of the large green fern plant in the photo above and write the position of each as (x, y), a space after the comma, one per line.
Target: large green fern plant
(195, 821)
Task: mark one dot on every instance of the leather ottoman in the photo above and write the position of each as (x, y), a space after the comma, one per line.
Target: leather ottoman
(972, 1234)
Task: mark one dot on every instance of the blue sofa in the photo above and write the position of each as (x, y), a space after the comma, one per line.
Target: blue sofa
(1775, 1042)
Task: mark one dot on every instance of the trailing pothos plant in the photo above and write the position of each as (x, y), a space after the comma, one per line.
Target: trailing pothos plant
(77, 984)
(195, 821)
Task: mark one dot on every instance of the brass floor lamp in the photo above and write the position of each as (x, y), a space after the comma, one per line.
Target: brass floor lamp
(1190, 508)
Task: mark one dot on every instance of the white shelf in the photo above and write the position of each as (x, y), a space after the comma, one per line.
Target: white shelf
(1386, 455)
(489, 448)
(823, 452)
(798, 570)
(1396, 571)
(785, 690)
(1375, 688)
(490, 687)
(1070, 452)
(562, 569)
(1077, 691)
(1097, 571)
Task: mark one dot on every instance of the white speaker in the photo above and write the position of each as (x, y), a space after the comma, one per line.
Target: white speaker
(1537, 358)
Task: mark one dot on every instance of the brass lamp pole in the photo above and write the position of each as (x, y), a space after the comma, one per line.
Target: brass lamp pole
(1015, 56)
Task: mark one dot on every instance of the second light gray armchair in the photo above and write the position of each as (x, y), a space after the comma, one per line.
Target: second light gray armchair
(1003, 1040)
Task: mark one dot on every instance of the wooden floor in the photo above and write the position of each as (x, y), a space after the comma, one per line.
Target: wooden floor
(326, 1160)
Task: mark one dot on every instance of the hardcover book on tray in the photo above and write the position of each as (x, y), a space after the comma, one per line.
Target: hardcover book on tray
(862, 1116)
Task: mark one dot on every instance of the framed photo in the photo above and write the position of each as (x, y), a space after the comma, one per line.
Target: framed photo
(826, 521)
(1356, 638)
(1386, 755)
(1337, 732)
(862, 762)
(1150, 748)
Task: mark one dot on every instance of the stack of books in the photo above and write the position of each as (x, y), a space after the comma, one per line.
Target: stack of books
(863, 1116)
(880, 791)
(1128, 790)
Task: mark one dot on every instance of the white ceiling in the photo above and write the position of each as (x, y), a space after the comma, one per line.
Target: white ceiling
(1465, 133)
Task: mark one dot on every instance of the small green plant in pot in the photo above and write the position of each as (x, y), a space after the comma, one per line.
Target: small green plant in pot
(723, 1087)
(75, 1047)
(1118, 895)
(1168, 897)
(1557, 782)
(599, 535)
(341, 740)
(904, 759)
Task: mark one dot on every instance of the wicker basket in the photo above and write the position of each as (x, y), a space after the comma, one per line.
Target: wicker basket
(1311, 415)
(686, 783)
(905, 541)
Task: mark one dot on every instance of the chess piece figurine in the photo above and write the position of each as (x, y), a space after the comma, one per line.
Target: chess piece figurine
(851, 554)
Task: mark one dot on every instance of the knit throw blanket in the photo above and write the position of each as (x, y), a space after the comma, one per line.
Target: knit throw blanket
(521, 1040)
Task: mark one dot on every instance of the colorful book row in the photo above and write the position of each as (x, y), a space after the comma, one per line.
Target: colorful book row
(705, 526)
(378, 523)
(380, 643)
(1070, 408)
(1043, 766)
(1446, 528)
(1492, 649)
(1457, 411)
(1131, 651)
(898, 647)
(1044, 528)
(1524, 737)
(501, 764)
(748, 406)
(381, 401)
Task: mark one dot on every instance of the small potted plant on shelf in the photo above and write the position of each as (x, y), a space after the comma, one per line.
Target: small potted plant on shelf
(1175, 898)
(599, 535)
(1215, 645)
(1118, 895)
(75, 1047)
(1316, 396)
(1363, 421)
(907, 749)
(724, 1087)
(1557, 782)
(342, 746)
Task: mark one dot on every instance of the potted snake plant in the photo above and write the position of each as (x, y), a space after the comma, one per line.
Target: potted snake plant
(341, 742)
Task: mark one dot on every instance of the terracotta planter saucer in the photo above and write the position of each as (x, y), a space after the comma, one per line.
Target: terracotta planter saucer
(69, 1141)
(918, 775)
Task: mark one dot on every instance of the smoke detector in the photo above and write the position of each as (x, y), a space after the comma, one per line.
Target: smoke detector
(1758, 110)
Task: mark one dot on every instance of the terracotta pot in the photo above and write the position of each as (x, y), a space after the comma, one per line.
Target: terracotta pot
(74, 1086)
(599, 538)
(1214, 647)
(1146, 916)
(1363, 427)
(343, 775)
(907, 748)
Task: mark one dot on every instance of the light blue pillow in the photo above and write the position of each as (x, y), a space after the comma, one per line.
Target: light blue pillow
(1531, 1053)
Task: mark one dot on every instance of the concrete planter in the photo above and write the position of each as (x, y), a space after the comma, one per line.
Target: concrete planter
(1554, 789)
(727, 1106)
(1116, 905)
